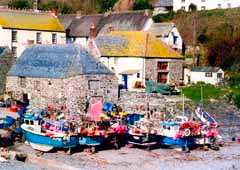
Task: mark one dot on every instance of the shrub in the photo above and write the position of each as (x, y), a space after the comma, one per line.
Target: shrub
(164, 17)
(141, 5)
(236, 100)
(20, 4)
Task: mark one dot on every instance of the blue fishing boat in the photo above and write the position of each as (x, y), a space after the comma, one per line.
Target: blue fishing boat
(171, 135)
(44, 135)
(7, 122)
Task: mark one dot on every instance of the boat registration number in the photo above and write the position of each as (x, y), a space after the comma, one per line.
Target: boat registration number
(136, 137)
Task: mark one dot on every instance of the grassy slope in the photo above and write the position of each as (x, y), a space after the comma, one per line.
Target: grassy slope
(209, 92)
(207, 21)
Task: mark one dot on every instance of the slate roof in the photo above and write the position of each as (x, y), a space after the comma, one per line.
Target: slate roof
(123, 21)
(66, 20)
(205, 69)
(80, 26)
(57, 61)
(161, 29)
(133, 44)
(119, 21)
(162, 3)
(29, 21)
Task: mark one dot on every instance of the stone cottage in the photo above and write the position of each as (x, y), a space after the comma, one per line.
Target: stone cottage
(61, 74)
(135, 56)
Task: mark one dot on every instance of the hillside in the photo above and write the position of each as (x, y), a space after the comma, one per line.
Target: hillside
(209, 24)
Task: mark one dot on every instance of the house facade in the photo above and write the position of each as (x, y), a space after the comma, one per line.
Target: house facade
(77, 31)
(205, 4)
(20, 29)
(168, 33)
(61, 74)
(209, 75)
(135, 56)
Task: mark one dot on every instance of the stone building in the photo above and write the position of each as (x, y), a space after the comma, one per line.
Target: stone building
(135, 56)
(61, 74)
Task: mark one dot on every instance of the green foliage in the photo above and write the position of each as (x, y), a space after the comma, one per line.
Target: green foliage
(164, 17)
(141, 5)
(56, 6)
(105, 5)
(20, 4)
(236, 100)
(209, 92)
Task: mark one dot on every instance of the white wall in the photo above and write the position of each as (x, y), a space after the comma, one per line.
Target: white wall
(122, 64)
(169, 40)
(209, 4)
(82, 41)
(24, 35)
(200, 76)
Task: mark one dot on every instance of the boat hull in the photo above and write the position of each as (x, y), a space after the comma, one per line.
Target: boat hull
(48, 143)
(136, 139)
(177, 142)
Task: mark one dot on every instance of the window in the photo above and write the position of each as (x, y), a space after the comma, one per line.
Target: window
(183, 1)
(14, 51)
(162, 65)
(115, 60)
(138, 75)
(93, 84)
(203, 0)
(27, 122)
(31, 122)
(39, 38)
(162, 77)
(229, 5)
(203, 8)
(183, 8)
(14, 36)
(37, 85)
(219, 6)
(175, 39)
(54, 38)
(219, 75)
(22, 82)
(208, 74)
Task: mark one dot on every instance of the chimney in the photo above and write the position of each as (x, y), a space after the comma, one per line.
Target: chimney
(92, 31)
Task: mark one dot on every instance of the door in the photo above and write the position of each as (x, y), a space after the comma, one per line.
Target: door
(125, 80)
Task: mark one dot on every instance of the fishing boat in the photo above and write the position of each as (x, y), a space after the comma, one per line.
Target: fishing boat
(175, 134)
(94, 133)
(142, 133)
(44, 135)
(6, 122)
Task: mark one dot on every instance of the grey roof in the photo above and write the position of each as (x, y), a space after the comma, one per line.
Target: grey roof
(57, 61)
(80, 26)
(161, 29)
(123, 21)
(162, 3)
(205, 69)
(66, 20)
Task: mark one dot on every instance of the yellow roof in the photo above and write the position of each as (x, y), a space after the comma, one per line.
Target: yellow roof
(134, 44)
(30, 21)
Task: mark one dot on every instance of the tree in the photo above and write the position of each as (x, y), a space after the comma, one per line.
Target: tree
(20, 4)
(141, 5)
(105, 5)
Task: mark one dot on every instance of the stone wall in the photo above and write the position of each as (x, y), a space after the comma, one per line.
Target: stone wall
(175, 70)
(71, 92)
